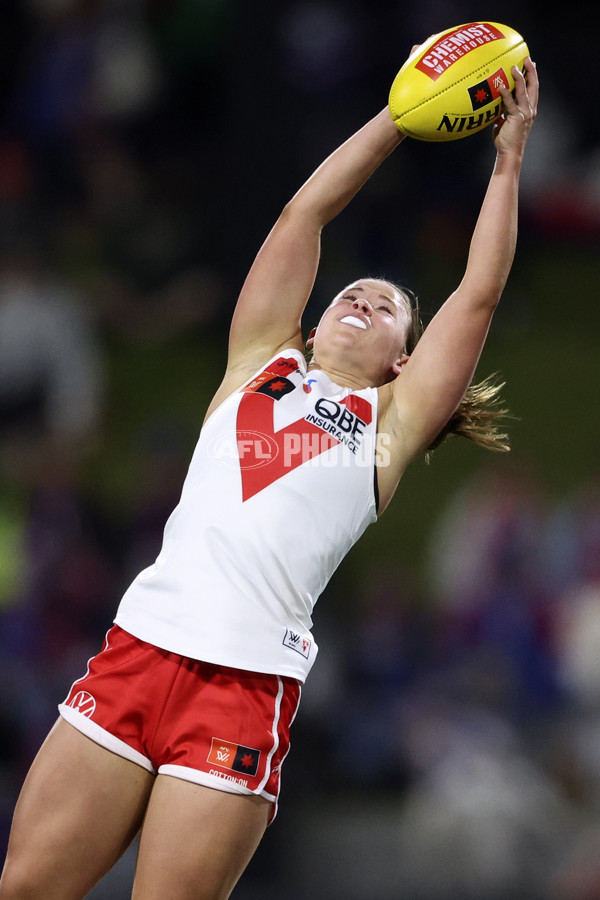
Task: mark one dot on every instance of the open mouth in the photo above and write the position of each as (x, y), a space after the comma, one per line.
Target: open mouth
(353, 320)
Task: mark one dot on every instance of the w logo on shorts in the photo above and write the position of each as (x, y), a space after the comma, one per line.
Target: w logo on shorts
(234, 757)
(84, 703)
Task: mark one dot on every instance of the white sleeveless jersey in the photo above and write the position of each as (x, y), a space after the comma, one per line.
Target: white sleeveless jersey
(279, 488)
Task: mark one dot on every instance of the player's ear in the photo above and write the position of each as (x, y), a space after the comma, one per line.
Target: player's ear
(311, 339)
(400, 363)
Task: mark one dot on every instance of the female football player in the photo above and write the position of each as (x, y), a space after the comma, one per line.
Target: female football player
(180, 726)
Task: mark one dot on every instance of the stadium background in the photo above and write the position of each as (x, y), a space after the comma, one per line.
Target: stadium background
(447, 746)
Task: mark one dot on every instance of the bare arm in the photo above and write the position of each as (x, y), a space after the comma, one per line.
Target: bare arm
(277, 288)
(424, 396)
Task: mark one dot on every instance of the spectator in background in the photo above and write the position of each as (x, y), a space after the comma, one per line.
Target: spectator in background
(51, 369)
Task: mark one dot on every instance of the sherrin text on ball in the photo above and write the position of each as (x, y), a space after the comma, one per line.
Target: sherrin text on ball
(449, 87)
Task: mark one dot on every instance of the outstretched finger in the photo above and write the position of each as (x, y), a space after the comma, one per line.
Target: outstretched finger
(526, 93)
(532, 82)
(518, 100)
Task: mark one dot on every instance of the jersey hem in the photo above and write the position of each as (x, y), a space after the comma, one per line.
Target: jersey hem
(216, 659)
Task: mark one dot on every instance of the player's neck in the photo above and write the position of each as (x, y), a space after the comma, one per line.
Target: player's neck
(341, 377)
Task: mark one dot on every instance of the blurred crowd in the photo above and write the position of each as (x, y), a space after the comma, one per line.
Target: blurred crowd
(448, 744)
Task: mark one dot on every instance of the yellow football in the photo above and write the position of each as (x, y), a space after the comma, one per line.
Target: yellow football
(448, 88)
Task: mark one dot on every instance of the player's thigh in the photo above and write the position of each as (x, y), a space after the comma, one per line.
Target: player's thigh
(196, 841)
(79, 809)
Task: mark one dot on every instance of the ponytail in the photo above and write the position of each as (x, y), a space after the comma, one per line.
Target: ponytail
(478, 417)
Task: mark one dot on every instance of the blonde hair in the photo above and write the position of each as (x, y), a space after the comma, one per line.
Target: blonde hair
(479, 414)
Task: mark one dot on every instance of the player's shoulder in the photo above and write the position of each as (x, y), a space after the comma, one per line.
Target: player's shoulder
(240, 371)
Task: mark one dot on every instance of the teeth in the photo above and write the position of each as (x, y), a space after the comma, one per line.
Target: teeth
(352, 320)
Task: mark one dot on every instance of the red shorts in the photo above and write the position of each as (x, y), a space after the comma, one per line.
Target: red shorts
(224, 728)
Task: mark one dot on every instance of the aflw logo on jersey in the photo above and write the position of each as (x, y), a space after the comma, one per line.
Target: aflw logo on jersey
(298, 642)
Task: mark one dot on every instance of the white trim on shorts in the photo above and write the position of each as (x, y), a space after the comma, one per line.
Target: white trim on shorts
(275, 733)
(228, 784)
(291, 722)
(103, 737)
(218, 781)
(107, 740)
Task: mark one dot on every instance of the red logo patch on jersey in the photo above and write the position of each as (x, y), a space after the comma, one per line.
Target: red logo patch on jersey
(276, 373)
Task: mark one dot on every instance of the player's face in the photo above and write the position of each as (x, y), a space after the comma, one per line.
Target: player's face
(368, 319)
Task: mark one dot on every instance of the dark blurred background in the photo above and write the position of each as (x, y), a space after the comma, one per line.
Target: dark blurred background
(448, 744)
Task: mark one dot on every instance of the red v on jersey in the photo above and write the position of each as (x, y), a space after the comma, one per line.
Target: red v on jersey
(266, 454)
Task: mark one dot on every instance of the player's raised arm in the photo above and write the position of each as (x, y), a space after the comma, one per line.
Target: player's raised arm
(277, 288)
(441, 367)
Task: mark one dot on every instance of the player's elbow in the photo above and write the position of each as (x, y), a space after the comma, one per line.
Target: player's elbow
(480, 297)
(301, 214)
(491, 299)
